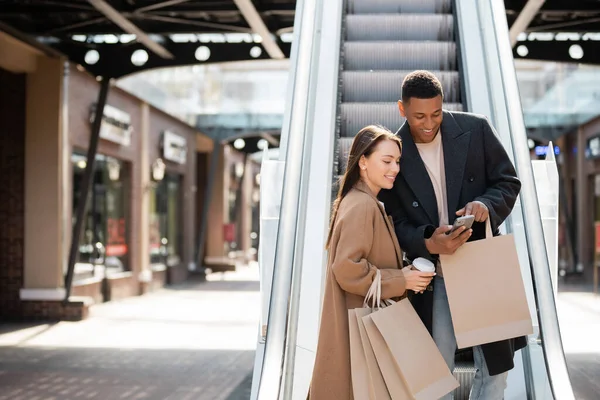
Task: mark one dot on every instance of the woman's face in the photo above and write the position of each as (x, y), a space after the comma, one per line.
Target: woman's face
(380, 168)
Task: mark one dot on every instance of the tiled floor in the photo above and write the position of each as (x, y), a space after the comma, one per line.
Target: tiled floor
(195, 341)
(579, 318)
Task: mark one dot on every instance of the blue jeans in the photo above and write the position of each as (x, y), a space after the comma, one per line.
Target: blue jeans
(485, 387)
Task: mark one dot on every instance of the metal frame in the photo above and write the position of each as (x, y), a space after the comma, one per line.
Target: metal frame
(130, 28)
(558, 51)
(88, 177)
(258, 25)
(525, 17)
(115, 61)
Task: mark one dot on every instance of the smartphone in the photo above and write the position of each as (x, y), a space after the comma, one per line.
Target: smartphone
(466, 221)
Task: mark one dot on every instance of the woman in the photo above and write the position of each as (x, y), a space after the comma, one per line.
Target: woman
(361, 240)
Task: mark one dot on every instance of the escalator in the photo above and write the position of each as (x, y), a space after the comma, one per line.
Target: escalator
(380, 41)
(383, 41)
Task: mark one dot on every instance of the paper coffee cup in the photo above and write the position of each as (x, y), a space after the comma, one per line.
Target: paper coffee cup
(423, 265)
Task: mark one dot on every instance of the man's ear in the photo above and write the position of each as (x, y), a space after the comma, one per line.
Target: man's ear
(401, 108)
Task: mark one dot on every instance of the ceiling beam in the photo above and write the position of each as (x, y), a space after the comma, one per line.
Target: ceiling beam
(570, 6)
(225, 28)
(268, 136)
(159, 5)
(525, 17)
(560, 26)
(258, 26)
(130, 28)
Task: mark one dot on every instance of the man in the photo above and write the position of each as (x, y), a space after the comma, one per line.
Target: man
(452, 165)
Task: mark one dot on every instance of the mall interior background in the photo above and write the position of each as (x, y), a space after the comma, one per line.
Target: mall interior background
(561, 102)
(150, 191)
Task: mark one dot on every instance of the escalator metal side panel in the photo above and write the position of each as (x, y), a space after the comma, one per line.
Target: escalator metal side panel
(318, 199)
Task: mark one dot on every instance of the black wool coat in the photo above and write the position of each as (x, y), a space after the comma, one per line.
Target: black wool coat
(477, 169)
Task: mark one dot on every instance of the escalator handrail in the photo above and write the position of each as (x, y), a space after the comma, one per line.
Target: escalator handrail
(294, 132)
(556, 366)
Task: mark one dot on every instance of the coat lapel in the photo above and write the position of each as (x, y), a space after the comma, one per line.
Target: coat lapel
(388, 220)
(456, 149)
(414, 172)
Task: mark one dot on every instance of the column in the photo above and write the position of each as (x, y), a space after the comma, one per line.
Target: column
(143, 211)
(246, 211)
(45, 152)
(214, 236)
(189, 204)
(581, 183)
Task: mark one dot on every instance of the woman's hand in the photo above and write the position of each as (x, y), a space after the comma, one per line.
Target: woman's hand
(416, 280)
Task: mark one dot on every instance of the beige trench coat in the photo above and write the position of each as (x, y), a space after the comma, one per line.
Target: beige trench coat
(363, 241)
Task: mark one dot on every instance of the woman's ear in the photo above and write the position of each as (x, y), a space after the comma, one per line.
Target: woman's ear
(362, 162)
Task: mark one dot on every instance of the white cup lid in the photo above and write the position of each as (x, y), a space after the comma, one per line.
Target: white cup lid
(423, 265)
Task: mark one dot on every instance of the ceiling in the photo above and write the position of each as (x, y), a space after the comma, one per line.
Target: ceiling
(561, 30)
(178, 27)
(176, 30)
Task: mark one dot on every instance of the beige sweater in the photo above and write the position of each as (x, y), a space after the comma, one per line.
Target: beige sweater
(432, 155)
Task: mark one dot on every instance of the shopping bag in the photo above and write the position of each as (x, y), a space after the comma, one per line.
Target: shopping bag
(486, 293)
(367, 382)
(392, 376)
(358, 360)
(416, 358)
(378, 390)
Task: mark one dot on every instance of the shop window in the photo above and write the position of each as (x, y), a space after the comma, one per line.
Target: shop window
(165, 222)
(103, 246)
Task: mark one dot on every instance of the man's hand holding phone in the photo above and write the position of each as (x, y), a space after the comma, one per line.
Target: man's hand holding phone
(446, 241)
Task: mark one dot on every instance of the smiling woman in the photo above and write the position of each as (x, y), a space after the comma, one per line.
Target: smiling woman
(362, 244)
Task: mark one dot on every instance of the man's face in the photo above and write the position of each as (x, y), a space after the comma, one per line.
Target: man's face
(424, 117)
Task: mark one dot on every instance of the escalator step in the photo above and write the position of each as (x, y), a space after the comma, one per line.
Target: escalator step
(378, 86)
(400, 27)
(463, 373)
(395, 6)
(356, 116)
(399, 55)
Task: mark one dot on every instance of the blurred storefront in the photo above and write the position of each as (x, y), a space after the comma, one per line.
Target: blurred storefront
(561, 103)
(139, 232)
(240, 99)
(140, 225)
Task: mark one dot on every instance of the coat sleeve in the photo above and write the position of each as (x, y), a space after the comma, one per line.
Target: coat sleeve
(411, 237)
(503, 186)
(352, 271)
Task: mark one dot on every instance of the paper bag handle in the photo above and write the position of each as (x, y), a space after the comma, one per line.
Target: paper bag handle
(374, 292)
(488, 228)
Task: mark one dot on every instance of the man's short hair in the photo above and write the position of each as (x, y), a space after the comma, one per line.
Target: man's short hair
(422, 85)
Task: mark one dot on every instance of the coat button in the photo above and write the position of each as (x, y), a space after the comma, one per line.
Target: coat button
(415, 204)
(471, 179)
